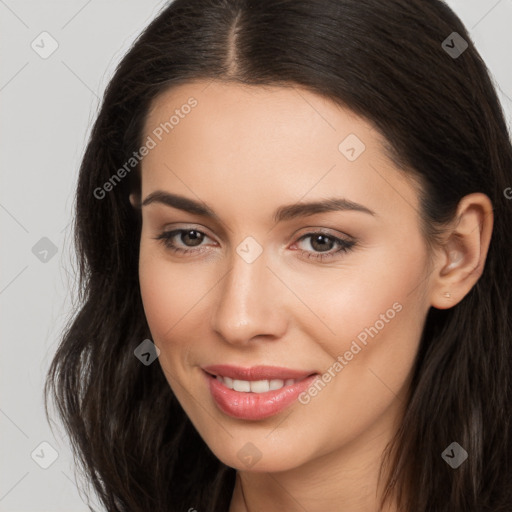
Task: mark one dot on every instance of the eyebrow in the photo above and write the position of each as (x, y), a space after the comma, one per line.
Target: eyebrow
(283, 213)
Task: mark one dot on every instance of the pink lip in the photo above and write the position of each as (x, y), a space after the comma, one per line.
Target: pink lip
(255, 406)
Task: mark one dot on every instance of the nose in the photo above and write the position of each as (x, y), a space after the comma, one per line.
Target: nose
(249, 303)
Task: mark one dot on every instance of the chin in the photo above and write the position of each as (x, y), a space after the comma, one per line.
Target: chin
(259, 456)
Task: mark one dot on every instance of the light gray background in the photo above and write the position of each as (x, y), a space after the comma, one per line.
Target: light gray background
(48, 106)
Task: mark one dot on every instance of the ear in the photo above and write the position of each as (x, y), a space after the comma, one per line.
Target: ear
(461, 259)
(135, 200)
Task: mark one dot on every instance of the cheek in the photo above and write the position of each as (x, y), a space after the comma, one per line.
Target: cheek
(372, 296)
(376, 313)
(157, 297)
(168, 300)
(175, 297)
(166, 292)
(367, 368)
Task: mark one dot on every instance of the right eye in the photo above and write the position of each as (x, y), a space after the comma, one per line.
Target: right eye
(192, 236)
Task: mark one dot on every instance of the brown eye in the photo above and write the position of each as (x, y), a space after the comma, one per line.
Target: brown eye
(321, 243)
(192, 235)
(179, 240)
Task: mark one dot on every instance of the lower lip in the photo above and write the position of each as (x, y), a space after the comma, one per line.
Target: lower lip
(255, 406)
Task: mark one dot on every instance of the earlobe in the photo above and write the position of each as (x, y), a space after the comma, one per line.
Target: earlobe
(462, 258)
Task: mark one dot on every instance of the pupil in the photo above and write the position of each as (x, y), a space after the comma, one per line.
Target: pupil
(323, 238)
(195, 238)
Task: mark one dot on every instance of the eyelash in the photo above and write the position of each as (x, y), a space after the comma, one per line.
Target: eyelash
(344, 245)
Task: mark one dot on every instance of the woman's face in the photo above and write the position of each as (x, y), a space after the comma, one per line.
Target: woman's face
(334, 300)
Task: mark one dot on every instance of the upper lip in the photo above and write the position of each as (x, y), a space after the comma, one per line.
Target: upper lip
(256, 372)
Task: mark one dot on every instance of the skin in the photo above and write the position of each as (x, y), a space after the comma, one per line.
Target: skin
(245, 151)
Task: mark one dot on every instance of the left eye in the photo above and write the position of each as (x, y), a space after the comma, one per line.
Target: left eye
(321, 242)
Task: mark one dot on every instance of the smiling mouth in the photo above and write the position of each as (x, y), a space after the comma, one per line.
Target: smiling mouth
(255, 393)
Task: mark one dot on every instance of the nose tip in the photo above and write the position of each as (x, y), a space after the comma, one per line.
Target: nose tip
(247, 304)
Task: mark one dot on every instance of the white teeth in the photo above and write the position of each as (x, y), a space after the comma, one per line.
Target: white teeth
(254, 386)
(241, 385)
(260, 386)
(276, 384)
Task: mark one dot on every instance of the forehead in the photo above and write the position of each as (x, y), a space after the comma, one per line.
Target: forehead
(290, 114)
(266, 144)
